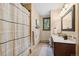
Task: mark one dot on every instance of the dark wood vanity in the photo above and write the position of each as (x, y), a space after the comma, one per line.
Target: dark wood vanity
(64, 49)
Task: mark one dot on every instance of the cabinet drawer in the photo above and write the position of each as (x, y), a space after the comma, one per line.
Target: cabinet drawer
(70, 50)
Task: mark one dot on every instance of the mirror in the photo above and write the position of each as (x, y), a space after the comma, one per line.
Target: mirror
(68, 20)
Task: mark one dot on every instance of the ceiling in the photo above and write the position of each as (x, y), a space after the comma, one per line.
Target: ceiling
(45, 8)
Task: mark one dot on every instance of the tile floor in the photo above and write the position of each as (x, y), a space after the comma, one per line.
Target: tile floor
(43, 49)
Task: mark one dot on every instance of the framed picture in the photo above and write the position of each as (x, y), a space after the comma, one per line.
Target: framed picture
(46, 24)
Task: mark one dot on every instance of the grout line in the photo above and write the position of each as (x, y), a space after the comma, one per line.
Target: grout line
(14, 39)
(18, 8)
(13, 22)
(22, 52)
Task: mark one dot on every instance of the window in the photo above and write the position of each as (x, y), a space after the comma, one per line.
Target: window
(46, 24)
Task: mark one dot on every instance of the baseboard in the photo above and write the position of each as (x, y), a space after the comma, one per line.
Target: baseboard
(44, 41)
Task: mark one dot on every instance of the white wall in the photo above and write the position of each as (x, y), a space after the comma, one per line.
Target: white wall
(45, 35)
(34, 16)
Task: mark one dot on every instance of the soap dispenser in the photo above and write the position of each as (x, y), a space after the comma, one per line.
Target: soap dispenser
(65, 37)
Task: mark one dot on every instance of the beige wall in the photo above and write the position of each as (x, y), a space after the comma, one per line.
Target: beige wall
(55, 21)
(45, 35)
(34, 16)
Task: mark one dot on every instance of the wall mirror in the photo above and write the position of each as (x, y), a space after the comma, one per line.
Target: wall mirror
(68, 20)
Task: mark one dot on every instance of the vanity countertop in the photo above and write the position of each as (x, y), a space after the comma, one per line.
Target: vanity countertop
(59, 39)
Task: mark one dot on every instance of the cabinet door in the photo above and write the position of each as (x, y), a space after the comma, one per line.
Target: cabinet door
(70, 50)
(59, 49)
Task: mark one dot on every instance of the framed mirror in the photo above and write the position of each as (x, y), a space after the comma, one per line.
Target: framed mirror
(68, 20)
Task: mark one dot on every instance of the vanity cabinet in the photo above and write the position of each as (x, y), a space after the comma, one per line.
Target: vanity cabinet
(64, 49)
